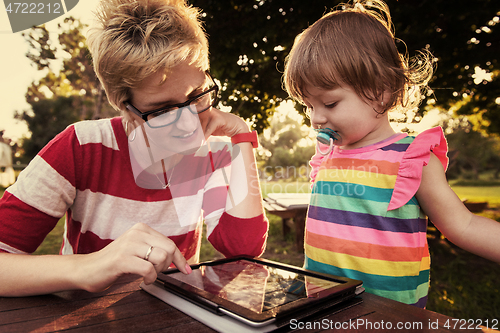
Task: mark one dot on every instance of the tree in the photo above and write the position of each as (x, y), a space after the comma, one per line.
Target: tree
(286, 147)
(75, 78)
(471, 151)
(61, 97)
(464, 37)
(49, 117)
(249, 41)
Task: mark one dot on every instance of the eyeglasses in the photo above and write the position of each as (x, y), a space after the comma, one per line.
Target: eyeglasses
(168, 115)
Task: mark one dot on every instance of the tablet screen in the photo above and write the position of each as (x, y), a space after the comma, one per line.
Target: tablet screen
(256, 286)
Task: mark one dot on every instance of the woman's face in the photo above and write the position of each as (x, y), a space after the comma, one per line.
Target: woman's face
(182, 83)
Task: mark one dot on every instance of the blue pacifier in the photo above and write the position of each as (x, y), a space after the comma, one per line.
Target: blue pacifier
(327, 136)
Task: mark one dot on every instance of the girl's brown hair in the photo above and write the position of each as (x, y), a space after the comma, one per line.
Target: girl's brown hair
(354, 45)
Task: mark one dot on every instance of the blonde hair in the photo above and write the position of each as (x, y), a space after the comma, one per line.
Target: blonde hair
(354, 45)
(136, 38)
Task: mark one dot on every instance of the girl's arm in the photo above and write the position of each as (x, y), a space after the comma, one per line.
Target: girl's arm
(471, 232)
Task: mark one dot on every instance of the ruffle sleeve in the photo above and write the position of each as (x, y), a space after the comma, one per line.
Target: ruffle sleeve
(415, 158)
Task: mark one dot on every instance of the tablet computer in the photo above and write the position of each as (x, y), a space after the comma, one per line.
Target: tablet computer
(259, 292)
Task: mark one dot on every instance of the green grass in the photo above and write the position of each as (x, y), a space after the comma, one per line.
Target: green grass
(463, 285)
(53, 241)
(491, 194)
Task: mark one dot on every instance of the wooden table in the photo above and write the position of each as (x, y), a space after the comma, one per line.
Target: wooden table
(292, 208)
(126, 308)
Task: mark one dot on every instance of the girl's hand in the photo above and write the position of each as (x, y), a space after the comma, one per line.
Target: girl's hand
(219, 123)
(126, 255)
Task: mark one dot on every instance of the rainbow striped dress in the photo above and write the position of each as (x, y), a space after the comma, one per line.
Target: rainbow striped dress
(364, 221)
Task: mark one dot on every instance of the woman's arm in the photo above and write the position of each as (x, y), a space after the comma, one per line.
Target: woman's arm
(471, 232)
(244, 184)
(242, 228)
(24, 274)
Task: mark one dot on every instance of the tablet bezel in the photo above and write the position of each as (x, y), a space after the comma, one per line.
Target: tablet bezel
(344, 291)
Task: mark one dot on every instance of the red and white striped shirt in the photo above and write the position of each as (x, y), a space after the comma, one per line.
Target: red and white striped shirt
(85, 173)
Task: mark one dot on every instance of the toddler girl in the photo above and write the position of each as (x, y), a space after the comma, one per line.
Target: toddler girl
(372, 187)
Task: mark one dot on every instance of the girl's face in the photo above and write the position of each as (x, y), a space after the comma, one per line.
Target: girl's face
(183, 83)
(351, 116)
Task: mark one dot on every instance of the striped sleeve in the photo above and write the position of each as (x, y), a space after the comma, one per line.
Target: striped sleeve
(228, 234)
(40, 197)
(236, 236)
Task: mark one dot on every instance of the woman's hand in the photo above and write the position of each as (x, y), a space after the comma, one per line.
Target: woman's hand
(127, 255)
(219, 123)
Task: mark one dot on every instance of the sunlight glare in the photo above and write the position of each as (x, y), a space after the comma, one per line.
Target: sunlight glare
(481, 75)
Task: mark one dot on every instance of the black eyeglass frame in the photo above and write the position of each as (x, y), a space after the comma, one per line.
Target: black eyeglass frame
(180, 106)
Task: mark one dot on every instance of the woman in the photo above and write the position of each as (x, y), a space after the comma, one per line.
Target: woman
(152, 59)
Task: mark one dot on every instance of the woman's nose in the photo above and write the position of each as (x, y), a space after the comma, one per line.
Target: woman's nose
(188, 121)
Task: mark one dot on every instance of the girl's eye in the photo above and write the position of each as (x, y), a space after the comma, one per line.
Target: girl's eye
(331, 106)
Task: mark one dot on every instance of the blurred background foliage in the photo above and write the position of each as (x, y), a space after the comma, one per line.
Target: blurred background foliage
(249, 41)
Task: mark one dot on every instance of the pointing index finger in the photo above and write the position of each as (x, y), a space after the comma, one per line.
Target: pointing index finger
(180, 262)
